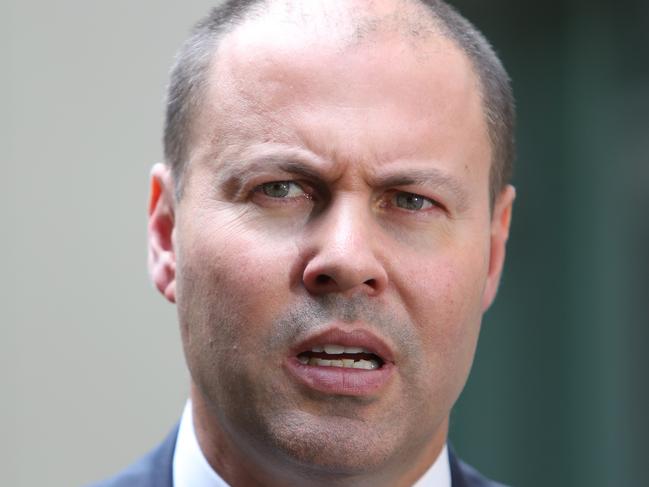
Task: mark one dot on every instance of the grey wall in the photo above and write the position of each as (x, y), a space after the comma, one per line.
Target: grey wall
(92, 370)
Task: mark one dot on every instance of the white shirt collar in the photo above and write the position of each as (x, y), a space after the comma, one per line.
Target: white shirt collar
(191, 469)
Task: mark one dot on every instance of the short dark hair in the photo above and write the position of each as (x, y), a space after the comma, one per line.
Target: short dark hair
(189, 77)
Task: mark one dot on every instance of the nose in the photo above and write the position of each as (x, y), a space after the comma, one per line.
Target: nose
(344, 260)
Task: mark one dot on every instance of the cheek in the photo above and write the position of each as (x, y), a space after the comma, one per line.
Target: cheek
(443, 298)
(230, 283)
(444, 288)
(230, 288)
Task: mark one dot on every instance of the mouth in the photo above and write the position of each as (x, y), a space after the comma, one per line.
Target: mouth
(342, 362)
(335, 355)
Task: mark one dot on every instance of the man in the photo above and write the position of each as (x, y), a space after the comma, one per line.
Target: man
(331, 223)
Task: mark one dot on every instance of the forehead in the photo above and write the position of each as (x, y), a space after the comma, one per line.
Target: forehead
(331, 75)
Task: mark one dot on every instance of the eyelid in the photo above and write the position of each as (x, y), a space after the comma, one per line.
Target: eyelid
(435, 203)
(260, 187)
(308, 191)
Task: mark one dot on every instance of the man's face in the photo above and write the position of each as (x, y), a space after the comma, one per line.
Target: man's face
(337, 199)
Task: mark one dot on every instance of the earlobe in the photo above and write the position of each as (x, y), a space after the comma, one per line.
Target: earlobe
(500, 223)
(162, 257)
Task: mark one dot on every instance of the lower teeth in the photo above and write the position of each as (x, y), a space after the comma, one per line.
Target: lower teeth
(347, 363)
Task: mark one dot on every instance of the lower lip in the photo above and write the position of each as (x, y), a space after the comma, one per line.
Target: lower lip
(341, 380)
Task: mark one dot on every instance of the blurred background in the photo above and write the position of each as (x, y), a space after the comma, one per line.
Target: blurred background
(92, 370)
(560, 388)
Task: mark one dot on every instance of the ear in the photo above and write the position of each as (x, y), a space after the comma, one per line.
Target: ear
(162, 258)
(500, 221)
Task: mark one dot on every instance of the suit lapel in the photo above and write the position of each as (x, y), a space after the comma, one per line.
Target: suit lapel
(161, 463)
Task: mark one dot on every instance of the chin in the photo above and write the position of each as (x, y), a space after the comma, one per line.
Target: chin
(332, 446)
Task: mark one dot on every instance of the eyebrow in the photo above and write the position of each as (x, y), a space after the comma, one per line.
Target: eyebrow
(238, 166)
(426, 177)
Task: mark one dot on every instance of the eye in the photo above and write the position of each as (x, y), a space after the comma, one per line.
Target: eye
(412, 201)
(281, 189)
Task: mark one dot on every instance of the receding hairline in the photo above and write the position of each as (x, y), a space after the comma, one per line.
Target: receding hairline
(484, 64)
(410, 18)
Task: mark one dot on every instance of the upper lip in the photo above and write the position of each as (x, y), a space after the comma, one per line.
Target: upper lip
(354, 336)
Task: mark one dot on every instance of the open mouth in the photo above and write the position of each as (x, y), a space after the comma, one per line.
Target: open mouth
(339, 361)
(334, 355)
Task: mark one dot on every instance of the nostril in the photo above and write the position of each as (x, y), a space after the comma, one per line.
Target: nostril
(343, 278)
(322, 279)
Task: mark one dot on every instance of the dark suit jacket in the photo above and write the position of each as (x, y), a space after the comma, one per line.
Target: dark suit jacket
(154, 470)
